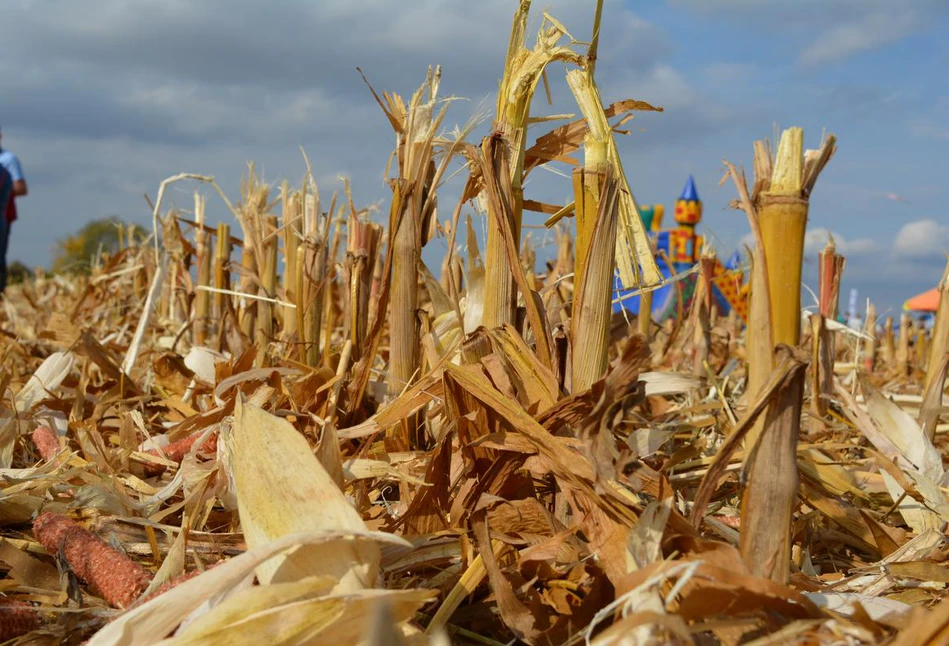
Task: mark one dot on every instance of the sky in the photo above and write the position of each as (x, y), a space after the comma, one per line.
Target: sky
(103, 100)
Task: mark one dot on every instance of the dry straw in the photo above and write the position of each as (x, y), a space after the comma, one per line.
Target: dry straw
(364, 452)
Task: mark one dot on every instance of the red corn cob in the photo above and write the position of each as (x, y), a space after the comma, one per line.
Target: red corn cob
(17, 618)
(176, 451)
(112, 575)
(46, 442)
(168, 585)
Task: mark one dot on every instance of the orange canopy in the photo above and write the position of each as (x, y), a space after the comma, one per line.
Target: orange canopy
(925, 302)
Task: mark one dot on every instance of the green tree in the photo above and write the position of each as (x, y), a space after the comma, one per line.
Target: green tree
(76, 253)
(18, 272)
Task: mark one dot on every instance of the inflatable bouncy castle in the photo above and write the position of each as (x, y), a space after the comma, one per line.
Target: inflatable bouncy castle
(677, 251)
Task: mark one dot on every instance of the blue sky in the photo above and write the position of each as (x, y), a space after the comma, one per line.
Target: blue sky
(102, 100)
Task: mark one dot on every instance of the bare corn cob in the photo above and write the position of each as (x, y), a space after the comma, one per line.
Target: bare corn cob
(17, 618)
(46, 442)
(112, 575)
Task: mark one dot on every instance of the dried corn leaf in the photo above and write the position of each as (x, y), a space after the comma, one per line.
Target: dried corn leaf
(269, 455)
(150, 622)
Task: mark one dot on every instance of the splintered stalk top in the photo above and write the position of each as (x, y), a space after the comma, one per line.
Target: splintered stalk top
(783, 221)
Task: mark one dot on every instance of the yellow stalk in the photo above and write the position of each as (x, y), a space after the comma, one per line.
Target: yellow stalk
(265, 309)
(314, 276)
(411, 220)
(222, 260)
(466, 586)
(902, 350)
(172, 244)
(870, 345)
(403, 323)
(633, 251)
(780, 204)
(820, 364)
(303, 305)
(596, 208)
(203, 261)
(253, 258)
(783, 219)
(769, 500)
(759, 344)
(644, 318)
(830, 269)
(523, 71)
(940, 336)
(500, 298)
(701, 314)
(922, 349)
(362, 250)
(889, 347)
(292, 232)
(249, 311)
(777, 212)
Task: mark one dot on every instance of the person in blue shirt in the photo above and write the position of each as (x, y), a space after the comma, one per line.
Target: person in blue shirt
(16, 187)
(6, 193)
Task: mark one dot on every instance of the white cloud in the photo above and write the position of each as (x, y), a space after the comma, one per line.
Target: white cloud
(922, 239)
(816, 239)
(664, 86)
(846, 27)
(875, 29)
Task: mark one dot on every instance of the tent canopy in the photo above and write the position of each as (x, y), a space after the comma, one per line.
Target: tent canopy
(925, 302)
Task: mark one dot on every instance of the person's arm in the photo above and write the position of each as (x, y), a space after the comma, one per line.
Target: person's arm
(19, 181)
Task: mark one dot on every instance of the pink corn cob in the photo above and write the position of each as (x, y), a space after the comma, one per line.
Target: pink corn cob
(176, 451)
(112, 575)
(16, 619)
(46, 442)
(168, 585)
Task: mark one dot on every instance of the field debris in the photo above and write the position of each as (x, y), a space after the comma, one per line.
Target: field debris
(305, 435)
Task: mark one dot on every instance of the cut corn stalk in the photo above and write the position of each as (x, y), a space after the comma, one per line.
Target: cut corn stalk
(202, 309)
(292, 227)
(523, 70)
(596, 199)
(870, 343)
(637, 266)
(940, 336)
(831, 269)
(363, 249)
(902, 350)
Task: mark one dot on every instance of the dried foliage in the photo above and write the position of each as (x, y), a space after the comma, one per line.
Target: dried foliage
(269, 477)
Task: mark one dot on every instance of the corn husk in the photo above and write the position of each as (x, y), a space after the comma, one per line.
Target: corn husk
(270, 455)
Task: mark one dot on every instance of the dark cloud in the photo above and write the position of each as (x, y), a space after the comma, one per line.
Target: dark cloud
(103, 100)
